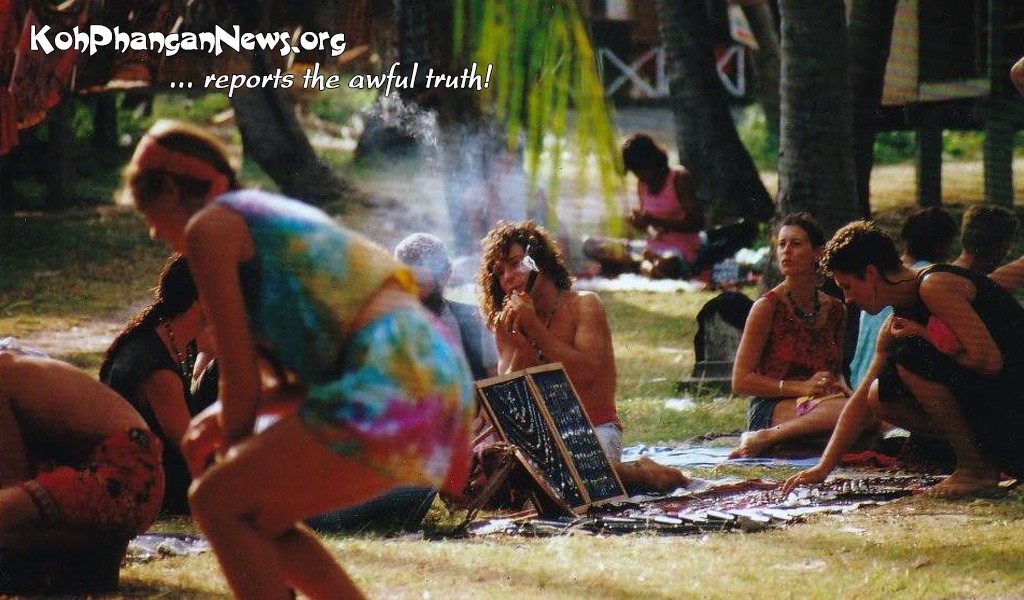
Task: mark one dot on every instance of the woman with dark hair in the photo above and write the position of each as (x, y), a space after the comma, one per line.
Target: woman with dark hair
(929, 234)
(671, 217)
(791, 354)
(971, 399)
(669, 212)
(379, 397)
(150, 364)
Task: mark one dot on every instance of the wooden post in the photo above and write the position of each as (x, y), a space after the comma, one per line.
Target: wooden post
(929, 164)
(998, 129)
(998, 159)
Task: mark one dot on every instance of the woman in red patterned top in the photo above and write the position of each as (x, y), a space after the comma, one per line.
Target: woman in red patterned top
(791, 353)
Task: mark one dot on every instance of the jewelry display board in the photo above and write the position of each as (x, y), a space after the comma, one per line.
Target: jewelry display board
(539, 412)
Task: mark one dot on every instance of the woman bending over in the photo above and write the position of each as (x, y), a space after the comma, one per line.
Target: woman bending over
(383, 396)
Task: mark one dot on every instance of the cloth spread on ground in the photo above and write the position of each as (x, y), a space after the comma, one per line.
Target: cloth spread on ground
(151, 546)
(723, 505)
(708, 456)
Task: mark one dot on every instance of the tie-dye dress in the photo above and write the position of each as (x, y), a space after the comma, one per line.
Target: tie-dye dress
(396, 394)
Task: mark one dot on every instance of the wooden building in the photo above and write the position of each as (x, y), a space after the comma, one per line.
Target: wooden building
(939, 76)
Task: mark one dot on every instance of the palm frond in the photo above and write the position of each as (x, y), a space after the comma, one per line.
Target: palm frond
(544, 65)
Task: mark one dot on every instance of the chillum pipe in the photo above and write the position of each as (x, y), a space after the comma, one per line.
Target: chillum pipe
(529, 263)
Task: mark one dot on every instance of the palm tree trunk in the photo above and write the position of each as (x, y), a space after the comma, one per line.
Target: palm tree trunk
(727, 180)
(766, 62)
(871, 23)
(274, 138)
(816, 162)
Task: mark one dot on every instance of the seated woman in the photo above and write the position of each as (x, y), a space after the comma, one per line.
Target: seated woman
(102, 474)
(972, 399)
(150, 364)
(791, 354)
(671, 218)
(384, 398)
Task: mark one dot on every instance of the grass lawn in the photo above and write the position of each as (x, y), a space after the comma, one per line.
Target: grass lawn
(915, 549)
(61, 273)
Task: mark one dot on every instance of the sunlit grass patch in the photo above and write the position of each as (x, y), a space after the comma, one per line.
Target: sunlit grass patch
(74, 266)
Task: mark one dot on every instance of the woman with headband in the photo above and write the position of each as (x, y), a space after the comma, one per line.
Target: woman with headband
(382, 398)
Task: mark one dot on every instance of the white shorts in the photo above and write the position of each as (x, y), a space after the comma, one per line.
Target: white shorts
(610, 436)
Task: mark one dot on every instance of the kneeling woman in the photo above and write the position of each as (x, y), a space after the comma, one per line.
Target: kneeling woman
(791, 354)
(383, 398)
(972, 397)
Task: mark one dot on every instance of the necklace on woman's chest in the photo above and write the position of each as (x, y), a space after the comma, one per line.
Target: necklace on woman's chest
(179, 355)
(805, 316)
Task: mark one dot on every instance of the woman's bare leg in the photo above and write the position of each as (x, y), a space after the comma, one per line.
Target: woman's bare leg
(973, 475)
(309, 566)
(902, 412)
(787, 426)
(249, 504)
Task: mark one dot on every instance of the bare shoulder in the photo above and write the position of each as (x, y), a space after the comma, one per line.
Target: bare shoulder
(219, 229)
(767, 301)
(214, 219)
(943, 285)
(584, 298)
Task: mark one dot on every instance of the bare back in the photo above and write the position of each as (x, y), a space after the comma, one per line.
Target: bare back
(61, 409)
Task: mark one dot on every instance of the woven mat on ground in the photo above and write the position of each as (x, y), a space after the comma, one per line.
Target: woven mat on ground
(724, 505)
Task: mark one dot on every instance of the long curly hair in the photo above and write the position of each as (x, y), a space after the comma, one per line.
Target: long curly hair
(174, 295)
(543, 249)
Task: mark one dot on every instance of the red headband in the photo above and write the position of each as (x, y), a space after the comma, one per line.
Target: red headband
(150, 155)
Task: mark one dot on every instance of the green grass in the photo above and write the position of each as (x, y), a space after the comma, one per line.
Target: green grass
(61, 270)
(916, 549)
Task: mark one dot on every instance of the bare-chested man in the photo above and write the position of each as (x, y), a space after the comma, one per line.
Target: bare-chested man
(104, 474)
(555, 323)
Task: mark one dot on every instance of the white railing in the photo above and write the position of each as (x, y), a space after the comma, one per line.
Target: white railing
(643, 86)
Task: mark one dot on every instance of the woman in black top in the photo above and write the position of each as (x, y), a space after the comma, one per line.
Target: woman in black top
(972, 396)
(150, 363)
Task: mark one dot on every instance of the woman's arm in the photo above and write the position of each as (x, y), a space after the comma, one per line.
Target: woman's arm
(948, 296)
(1009, 276)
(164, 392)
(218, 243)
(855, 417)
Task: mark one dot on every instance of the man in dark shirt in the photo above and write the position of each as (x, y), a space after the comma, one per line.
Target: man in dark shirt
(430, 264)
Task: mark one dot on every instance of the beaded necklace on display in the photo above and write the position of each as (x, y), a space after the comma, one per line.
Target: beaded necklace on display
(806, 316)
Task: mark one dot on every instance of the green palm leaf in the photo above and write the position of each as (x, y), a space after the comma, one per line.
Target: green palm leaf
(544, 65)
